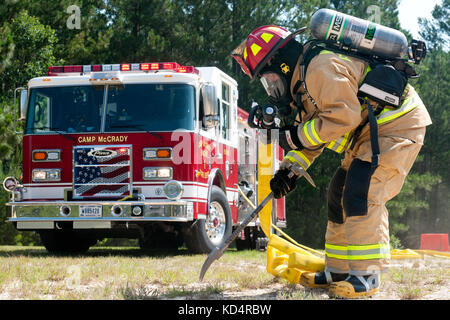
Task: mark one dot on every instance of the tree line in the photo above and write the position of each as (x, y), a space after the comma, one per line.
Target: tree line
(37, 34)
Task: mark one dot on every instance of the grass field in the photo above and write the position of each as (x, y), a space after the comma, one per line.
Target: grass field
(106, 273)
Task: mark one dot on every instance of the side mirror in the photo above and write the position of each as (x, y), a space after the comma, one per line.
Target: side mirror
(23, 106)
(210, 106)
(23, 103)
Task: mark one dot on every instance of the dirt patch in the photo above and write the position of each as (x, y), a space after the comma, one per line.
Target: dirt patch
(104, 274)
(416, 279)
(422, 279)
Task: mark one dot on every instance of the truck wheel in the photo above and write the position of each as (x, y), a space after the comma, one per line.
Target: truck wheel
(65, 242)
(206, 234)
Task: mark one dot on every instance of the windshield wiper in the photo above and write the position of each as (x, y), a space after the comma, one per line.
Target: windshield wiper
(64, 134)
(134, 125)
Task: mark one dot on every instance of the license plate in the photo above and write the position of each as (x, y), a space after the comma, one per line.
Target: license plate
(91, 211)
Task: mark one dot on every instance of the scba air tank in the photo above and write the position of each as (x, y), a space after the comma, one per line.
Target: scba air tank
(364, 36)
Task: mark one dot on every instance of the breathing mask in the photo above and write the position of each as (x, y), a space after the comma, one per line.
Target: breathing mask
(276, 76)
(274, 84)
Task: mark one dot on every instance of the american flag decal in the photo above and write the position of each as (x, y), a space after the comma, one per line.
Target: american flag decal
(101, 171)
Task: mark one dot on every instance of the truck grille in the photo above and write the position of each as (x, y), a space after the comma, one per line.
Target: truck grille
(101, 172)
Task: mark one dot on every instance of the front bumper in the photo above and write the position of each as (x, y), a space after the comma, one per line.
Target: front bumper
(31, 215)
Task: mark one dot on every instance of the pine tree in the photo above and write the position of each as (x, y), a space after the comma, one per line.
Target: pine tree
(430, 176)
(32, 54)
(86, 43)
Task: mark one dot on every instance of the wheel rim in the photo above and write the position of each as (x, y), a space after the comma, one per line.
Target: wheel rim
(215, 224)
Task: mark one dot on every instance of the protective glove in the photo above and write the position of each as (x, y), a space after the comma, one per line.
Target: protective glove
(297, 169)
(281, 184)
(288, 139)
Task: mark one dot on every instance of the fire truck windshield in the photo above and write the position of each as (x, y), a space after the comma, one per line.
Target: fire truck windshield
(130, 107)
(150, 107)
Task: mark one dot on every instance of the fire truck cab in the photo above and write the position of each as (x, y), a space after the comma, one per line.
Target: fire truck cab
(154, 151)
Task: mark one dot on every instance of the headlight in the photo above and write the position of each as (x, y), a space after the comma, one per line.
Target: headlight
(46, 175)
(173, 190)
(161, 173)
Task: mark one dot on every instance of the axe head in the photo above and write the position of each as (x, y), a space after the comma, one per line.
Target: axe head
(213, 256)
(300, 172)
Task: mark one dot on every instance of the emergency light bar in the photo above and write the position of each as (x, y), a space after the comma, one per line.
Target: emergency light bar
(129, 67)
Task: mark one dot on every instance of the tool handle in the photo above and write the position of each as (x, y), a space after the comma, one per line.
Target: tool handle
(244, 223)
(217, 252)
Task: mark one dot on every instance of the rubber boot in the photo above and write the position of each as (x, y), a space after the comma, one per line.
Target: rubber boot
(356, 287)
(321, 279)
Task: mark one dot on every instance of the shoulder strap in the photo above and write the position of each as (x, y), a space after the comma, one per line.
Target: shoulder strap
(313, 50)
(308, 55)
(373, 127)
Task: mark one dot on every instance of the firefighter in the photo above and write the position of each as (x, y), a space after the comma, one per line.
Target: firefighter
(324, 90)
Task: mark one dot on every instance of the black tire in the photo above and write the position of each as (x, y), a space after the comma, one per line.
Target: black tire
(249, 242)
(243, 244)
(206, 234)
(65, 242)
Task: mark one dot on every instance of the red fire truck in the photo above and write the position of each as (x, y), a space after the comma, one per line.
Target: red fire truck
(154, 151)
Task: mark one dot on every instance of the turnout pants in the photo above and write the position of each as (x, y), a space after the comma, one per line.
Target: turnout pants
(357, 236)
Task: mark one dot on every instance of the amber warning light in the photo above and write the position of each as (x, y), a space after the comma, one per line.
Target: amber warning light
(124, 67)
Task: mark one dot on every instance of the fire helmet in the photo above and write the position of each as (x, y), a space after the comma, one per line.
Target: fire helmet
(261, 44)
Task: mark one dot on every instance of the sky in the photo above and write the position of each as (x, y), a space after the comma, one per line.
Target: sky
(410, 10)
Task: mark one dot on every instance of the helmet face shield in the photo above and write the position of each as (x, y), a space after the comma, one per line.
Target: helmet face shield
(274, 84)
(239, 54)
